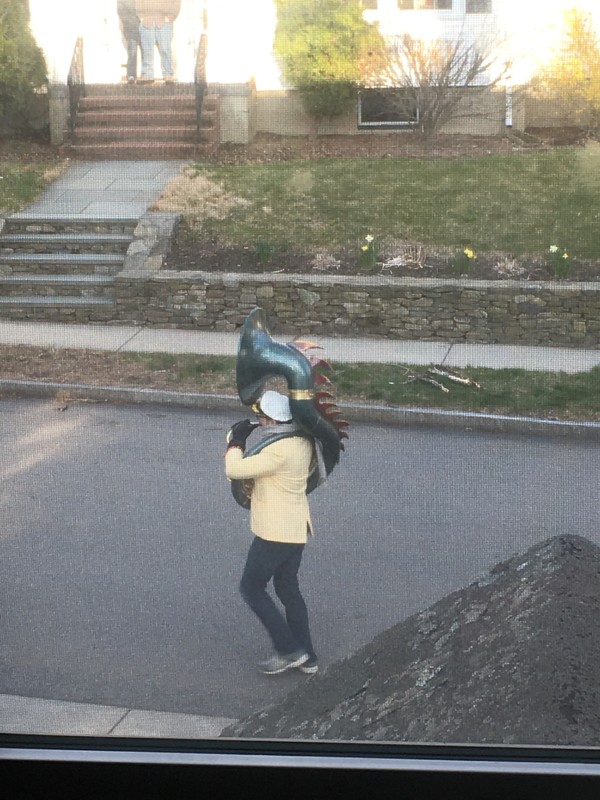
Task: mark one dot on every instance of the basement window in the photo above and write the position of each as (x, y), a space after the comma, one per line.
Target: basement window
(479, 6)
(418, 5)
(386, 108)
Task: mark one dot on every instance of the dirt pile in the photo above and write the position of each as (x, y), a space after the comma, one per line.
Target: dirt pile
(510, 659)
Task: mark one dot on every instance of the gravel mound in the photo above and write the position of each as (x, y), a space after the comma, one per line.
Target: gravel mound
(510, 659)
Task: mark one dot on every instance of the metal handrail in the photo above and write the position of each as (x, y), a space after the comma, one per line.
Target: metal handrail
(75, 81)
(200, 79)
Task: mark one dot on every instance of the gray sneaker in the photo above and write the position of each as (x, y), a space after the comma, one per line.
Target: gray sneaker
(277, 664)
(310, 667)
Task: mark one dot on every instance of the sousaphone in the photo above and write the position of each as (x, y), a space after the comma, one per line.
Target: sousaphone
(310, 391)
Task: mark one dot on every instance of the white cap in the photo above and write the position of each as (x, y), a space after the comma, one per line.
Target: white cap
(276, 406)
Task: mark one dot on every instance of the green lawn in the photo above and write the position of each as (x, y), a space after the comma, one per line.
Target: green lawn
(520, 203)
(20, 183)
(502, 391)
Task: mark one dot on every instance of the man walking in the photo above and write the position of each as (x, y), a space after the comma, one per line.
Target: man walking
(280, 521)
(156, 30)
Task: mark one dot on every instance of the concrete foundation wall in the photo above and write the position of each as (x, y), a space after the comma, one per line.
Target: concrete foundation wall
(543, 113)
(480, 114)
(281, 112)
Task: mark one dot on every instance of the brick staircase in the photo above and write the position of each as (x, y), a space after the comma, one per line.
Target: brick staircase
(61, 269)
(143, 122)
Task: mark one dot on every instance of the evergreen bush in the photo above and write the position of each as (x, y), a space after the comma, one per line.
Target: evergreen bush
(322, 45)
(22, 64)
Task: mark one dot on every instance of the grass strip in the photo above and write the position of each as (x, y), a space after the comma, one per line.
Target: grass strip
(518, 392)
(21, 183)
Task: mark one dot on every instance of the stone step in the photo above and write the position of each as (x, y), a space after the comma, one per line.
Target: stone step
(136, 119)
(145, 150)
(61, 263)
(58, 268)
(58, 309)
(64, 242)
(72, 286)
(139, 89)
(26, 223)
(85, 135)
(140, 102)
(40, 300)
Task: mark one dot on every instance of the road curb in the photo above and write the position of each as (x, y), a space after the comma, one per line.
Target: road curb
(353, 412)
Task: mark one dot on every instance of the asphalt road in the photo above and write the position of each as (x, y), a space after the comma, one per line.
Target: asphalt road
(121, 546)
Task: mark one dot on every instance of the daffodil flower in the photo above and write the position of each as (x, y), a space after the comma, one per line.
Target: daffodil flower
(369, 238)
(553, 248)
(468, 252)
(565, 255)
(364, 248)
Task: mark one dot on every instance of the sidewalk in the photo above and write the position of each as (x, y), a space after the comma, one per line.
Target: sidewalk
(36, 716)
(156, 340)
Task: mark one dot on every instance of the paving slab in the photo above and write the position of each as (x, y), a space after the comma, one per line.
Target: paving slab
(130, 191)
(65, 208)
(147, 185)
(386, 351)
(551, 359)
(54, 334)
(30, 715)
(149, 340)
(104, 188)
(104, 210)
(164, 725)
(39, 716)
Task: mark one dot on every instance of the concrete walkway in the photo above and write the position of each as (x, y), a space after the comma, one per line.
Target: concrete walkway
(105, 189)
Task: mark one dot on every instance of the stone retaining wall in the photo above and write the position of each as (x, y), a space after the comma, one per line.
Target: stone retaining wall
(506, 312)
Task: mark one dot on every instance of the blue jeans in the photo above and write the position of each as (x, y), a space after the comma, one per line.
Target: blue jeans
(281, 562)
(161, 38)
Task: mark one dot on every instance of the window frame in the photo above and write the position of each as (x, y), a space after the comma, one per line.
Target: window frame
(433, 7)
(487, 10)
(364, 124)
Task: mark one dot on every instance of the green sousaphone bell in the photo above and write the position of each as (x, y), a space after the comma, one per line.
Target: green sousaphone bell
(312, 402)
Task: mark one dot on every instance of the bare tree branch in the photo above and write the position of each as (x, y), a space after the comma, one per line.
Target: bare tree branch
(435, 77)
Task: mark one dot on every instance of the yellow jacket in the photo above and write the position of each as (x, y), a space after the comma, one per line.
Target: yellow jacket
(279, 507)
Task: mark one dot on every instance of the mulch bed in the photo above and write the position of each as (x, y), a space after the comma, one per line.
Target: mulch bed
(188, 252)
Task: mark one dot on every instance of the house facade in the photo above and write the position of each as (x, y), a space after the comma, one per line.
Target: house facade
(242, 68)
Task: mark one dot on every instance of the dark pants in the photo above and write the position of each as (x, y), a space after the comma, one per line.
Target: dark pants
(132, 53)
(281, 562)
